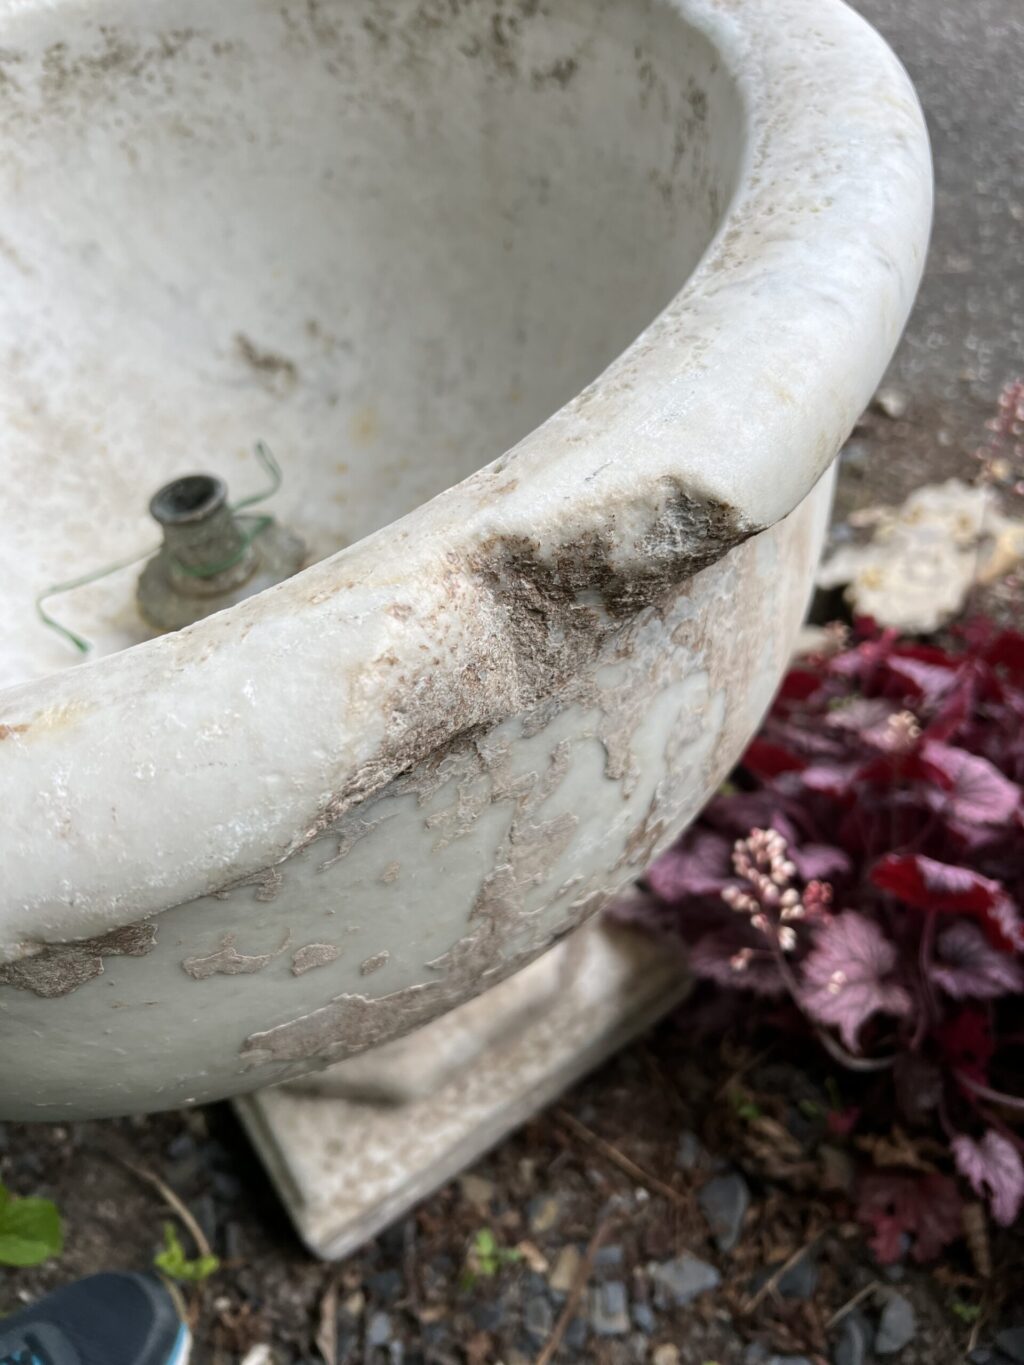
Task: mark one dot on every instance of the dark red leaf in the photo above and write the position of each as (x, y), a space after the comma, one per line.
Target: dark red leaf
(1007, 651)
(766, 760)
(966, 1043)
(799, 684)
(886, 770)
(925, 1210)
(931, 885)
(841, 1122)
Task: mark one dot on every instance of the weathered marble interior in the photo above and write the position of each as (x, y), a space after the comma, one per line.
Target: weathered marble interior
(386, 239)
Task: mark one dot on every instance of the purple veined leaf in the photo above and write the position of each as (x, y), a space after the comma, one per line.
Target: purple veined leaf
(739, 812)
(994, 1170)
(820, 862)
(830, 779)
(968, 967)
(717, 956)
(846, 976)
(700, 865)
(1005, 920)
(930, 681)
(956, 706)
(640, 910)
(978, 791)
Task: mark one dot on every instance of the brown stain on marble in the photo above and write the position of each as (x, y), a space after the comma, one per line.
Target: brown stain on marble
(60, 968)
(313, 955)
(228, 961)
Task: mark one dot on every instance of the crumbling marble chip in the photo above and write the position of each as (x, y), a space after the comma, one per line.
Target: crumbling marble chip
(918, 567)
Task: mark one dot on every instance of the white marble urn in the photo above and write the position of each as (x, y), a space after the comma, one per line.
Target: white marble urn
(555, 314)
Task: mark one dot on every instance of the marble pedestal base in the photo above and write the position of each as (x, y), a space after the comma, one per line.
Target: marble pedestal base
(352, 1149)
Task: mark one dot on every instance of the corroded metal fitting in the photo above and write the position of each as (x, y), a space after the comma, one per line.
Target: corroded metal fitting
(210, 558)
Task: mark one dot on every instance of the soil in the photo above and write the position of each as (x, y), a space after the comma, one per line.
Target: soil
(628, 1152)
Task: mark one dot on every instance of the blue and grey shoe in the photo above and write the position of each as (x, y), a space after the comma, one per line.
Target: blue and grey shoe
(110, 1319)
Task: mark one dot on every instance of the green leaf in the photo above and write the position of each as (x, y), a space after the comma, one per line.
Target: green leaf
(177, 1266)
(486, 1256)
(30, 1231)
(966, 1312)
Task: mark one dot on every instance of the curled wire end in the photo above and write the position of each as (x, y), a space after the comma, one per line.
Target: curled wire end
(83, 646)
(266, 459)
(80, 643)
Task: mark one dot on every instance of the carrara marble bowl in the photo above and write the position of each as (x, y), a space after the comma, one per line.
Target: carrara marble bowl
(555, 316)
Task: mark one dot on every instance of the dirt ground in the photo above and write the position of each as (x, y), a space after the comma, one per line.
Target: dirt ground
(589, 1163)
(413, 1296)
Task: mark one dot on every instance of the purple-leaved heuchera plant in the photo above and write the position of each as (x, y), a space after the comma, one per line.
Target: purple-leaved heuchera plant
(867, 865)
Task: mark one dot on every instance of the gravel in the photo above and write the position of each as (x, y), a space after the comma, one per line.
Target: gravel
(609, 1309)
(798, 1282)
(644, 1318)
(538, 1317)
(665, 1355)
(543, 1213)
(379, 1331)
(689, 1154)
(758, 1354)
(897, 1325)
(564, 1271)
(724, 1201)
(853, 1340)
(681, 1280)
(1011, 1343)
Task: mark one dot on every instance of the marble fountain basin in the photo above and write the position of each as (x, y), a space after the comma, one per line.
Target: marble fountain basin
(555, 317)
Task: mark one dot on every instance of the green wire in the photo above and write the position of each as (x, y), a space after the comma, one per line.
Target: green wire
(80, 644)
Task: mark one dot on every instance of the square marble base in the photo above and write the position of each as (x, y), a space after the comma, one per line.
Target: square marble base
(351, 1149)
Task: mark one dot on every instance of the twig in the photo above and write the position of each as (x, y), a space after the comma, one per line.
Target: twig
(851, 1304)
(979, 1322)
(327, 1332)
(664, 1081)
(772, 1282)
(173, 1203)
(986, 1093)
(575, 1292)
(752, 1061)
(625, 1164)
(847, 1059)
